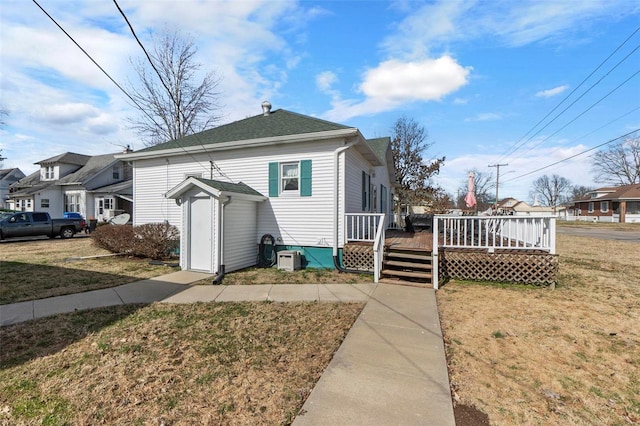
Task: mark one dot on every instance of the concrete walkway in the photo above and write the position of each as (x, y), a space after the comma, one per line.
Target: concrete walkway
(389, 370)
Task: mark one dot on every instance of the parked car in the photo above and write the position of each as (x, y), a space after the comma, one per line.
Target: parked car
(29, 224)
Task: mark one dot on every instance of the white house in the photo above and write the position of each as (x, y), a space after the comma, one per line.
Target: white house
(282, 174)
(97, 186)
(7, 178)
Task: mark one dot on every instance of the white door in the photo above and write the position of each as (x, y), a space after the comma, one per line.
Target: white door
(200, 234)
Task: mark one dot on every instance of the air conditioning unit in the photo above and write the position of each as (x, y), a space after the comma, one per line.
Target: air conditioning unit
(289, 260)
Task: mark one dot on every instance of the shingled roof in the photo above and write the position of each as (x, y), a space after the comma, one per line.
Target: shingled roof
(277, 123)
(92, 167)
(67, 158)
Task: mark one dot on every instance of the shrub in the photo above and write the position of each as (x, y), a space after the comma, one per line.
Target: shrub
(155, 240)
(115, 238)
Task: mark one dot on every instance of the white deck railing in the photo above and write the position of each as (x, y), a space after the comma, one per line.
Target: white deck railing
(367, 227)
(492, 232)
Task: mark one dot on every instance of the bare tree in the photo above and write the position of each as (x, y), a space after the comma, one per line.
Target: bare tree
(620, 164)
(484, 183)
(552, 191)
(175, 103)
(413, 172)
(579, 191)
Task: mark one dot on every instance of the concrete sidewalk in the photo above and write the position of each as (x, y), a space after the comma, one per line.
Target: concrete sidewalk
(389, 370)
(175, 288)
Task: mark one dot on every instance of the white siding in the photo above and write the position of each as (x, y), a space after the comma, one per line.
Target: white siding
(240, 230)
(300, 220)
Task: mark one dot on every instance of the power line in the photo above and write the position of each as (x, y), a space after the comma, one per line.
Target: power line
(517, 145)
(109, 76)
(582, 113)
(573, 156)
(173, 99)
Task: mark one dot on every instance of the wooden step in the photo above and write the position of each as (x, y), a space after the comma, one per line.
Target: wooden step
(406, 265)
(404, 255)
(408, 274)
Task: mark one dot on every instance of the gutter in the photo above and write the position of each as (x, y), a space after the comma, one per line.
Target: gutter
(218, 279)
(336, 210)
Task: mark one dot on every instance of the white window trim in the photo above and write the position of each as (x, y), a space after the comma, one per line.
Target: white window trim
(606, 205)
(282, 177)
(591, 207)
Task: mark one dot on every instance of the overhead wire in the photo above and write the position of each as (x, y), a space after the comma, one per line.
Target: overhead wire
(573, 156)
(109, 76)
(582, 113)
(169, 92)
(521, 142)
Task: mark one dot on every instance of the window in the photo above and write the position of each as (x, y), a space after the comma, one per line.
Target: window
(116, 172)
(108, 203)
(72, 203)
(49, 173)
(29, 203)
(591, 208)
(44, 203)
(366, 192)
(40, 217)
(604, 206)
(290, 178)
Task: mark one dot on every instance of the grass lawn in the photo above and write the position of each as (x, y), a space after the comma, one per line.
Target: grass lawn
(600, 225)
(214, 363)
(570, 356)
(38, 269)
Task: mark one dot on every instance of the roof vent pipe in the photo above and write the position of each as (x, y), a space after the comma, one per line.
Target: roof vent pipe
(266, 108)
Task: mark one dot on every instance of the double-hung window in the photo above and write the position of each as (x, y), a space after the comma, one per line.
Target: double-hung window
(591, 207)
(604, 206)
(290, 178)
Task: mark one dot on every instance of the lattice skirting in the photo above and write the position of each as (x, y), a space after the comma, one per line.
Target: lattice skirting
(358, 256)
(512, 267)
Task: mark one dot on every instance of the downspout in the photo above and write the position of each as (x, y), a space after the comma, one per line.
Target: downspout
(218, 279)
(336, 210)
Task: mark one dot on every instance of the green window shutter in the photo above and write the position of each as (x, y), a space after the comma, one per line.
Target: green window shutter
(364, 191)
(305, 178)
(274, 171)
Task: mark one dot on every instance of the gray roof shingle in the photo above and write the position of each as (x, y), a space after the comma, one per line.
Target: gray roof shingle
(67, 158)
(239, 188)
(278, 123)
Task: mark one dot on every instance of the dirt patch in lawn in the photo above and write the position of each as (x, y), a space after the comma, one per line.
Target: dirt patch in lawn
(225, 363)
(527, 355)
(254, 276)
(41, 268)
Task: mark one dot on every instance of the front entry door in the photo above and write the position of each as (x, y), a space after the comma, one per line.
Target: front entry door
(200, 234)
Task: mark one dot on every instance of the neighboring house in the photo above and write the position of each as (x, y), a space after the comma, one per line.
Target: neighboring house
(97, 187)
(282, 174)
(7, 178)
(512, 206)
(609, 204)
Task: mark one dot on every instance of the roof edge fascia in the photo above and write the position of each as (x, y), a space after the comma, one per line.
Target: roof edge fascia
(247, 143)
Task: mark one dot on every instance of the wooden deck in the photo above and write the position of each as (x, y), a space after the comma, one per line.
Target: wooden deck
(419, 241)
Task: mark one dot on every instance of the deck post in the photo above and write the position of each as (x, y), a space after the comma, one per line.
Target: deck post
(434, 254)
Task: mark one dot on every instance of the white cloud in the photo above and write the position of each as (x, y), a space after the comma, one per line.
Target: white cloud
(485, 116)
(394, 82)
(325, 80)
(552, 92)
(67, 113)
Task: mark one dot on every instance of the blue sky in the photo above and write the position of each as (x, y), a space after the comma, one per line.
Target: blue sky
(478, 75)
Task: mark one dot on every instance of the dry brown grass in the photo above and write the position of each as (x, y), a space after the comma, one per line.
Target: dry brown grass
(567, 356)
(38, 269)
(225, 363)
(254, 276)
(615, 226)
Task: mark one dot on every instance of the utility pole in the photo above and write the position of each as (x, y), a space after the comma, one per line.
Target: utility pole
(497, 166)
